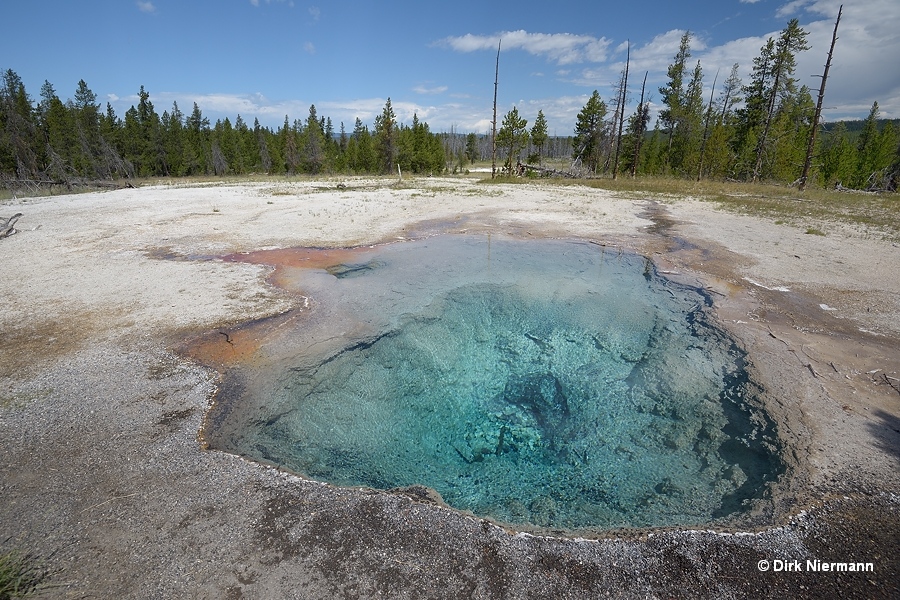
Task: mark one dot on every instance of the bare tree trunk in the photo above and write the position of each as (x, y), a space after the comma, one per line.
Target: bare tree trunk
(804, 177)
(219, 164)
(639, 138)
(706, 127)
(494, 128)
(761, 145)
(622, 111)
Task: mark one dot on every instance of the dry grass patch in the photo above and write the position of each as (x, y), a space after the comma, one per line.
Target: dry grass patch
(815, 209)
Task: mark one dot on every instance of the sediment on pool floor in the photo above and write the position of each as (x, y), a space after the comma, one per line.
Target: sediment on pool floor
(543, 383)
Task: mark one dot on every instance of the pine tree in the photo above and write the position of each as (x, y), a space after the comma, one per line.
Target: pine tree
(339, 162)
(152, 151)
(196, 148)
(313, 150)
(112, 161)
(287, 137)
(261, 138)
(225, 149)
(781, 83)
(673, 93)
(361, 156)
(331, 146)
(87, 130)
(684, 156)
(172, 124)
(472, 153)
(875, 152)
(789, 134)
(539, 134)
(836, 158)
(512, 136)
(718, 157)
(58, 127)
(20, 145)
(385, 136)
(590, 130)
(751, 117)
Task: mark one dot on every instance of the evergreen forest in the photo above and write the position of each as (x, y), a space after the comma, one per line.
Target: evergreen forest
(758, 130)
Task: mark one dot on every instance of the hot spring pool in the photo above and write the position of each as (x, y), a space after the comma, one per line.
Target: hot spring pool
(546, 383)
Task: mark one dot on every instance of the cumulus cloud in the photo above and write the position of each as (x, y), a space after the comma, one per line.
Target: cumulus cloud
(146, 7)
(309, 47)
(562, 48)
(654, 56)
(863, 69)
(791, 8)
(315, 12)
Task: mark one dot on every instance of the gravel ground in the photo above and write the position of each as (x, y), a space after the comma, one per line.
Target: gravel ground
(105, 481)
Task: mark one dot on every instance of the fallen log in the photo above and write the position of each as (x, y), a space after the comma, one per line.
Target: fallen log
(545, 172)
(36, 184)
(7, 226)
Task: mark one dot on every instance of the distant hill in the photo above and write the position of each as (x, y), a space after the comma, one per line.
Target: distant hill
(856, 125)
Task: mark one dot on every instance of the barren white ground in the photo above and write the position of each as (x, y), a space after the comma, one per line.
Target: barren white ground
(98, 417)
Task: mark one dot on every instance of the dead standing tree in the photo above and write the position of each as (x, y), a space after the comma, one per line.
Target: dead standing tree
(621, 111)
(642, 117)
(706, 127)
(494, 129)
(804, 176)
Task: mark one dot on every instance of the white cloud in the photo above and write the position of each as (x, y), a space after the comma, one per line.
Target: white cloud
(290, 3)
(146, 7)
(421, 89)
(562, 48)
(863, 71)
(309, 47)
(791, 8)
(654, 56)
(863, 68)
(315, 12)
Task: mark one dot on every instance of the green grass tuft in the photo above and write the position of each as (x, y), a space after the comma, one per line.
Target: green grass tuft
(20, 576)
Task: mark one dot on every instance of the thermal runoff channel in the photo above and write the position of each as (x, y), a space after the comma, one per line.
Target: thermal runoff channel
(539, 383)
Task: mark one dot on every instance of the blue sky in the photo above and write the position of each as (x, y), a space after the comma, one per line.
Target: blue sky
(269, 58)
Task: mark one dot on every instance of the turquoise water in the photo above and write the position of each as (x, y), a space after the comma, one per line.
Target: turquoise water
(545, 383)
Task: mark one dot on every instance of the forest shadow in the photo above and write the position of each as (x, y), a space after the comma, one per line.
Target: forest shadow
(886, 432)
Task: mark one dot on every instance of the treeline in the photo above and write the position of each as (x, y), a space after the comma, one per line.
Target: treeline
(758, 130)
(56, 141)
(750, 131)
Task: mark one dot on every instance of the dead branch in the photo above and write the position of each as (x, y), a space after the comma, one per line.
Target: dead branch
(545, 172)
(838, 187)
(887, 380)
(35, 185)
(7, 226)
